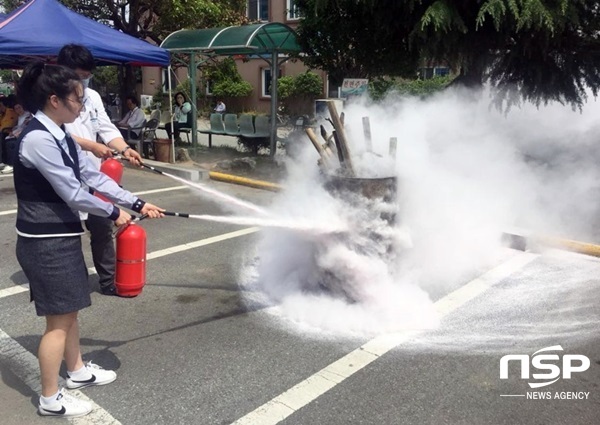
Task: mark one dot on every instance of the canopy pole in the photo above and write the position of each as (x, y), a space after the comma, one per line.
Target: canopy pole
(192, 74)
(274, 76)
(171, 114)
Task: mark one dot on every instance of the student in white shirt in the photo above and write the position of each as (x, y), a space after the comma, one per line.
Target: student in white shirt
(92, 126)
(135, 118)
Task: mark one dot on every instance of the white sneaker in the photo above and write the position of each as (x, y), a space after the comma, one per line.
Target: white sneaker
(6, 170)
(99, 377)
(66, 405)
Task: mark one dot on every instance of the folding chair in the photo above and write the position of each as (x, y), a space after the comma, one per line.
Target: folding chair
(135, 143)
(148, 135)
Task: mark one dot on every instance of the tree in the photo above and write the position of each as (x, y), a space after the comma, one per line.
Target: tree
(537, 50)
(226, 82)
(297, 94)
(357, 39)
(153, 19)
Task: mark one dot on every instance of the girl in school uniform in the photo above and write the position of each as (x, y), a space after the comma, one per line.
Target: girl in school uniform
(50, 174)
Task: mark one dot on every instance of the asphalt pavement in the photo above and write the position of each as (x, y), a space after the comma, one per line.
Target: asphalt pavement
(197, 347)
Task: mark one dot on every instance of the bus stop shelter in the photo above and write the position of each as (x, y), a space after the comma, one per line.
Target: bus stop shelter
(273, 42)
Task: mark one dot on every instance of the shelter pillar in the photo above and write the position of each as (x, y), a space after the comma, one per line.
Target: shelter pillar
(274, 76)
(192, 74)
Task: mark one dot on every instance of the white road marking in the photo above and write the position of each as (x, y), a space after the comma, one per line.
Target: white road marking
(145, 192)
(166, 189)
(284, 405)
(25, 365)
(13, 290)
(203, 242)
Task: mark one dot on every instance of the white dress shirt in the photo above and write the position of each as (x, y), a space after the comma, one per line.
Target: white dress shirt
(133, 119)
(93, 123)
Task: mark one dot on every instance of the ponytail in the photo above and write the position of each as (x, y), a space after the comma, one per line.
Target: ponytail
(40, 81)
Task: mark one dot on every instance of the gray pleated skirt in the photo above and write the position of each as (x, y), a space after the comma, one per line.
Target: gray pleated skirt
(55, 268)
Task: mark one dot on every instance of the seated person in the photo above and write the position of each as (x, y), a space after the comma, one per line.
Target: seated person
(8, 116)
(8, 119)
(181, 115)
(23, 118)
(220, 108)
(134, 119)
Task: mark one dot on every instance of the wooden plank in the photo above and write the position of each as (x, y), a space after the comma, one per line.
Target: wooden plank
(340, 138)
(367, 132)
(313, 138)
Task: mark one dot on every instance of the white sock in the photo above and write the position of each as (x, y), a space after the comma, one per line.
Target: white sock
(49, 401)
(81, 374)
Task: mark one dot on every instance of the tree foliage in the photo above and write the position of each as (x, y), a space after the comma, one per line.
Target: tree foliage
(307, 84)
(226, 80)
(153, 19)
(537, 50)
(356, 39)
(380, 88)
(297, 94)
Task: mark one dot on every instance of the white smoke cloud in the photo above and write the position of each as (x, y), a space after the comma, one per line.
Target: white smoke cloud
(466, 173)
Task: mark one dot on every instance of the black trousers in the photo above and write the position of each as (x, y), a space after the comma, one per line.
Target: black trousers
(126, 133)
(176, 127)
(103, 248)
(3, 149)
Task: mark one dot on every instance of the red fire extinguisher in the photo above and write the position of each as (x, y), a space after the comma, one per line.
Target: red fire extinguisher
(130, 276)
(113, 169)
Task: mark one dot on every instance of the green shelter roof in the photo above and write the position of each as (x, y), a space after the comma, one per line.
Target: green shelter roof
(253, 39)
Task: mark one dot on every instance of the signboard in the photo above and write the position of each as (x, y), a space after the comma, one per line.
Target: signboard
(354, 86)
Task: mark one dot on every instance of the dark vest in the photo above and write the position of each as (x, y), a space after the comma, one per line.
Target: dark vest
(40, 210)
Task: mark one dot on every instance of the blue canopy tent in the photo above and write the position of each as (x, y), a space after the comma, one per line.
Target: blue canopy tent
(40, 28)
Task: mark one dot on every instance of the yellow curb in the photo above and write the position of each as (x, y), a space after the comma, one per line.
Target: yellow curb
(259, 184)
(570, 245)
(520, 241)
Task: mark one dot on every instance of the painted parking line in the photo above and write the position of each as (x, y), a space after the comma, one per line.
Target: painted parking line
(285, 404)
(165, 189)
(25, 366)
(13, 290)
(144, 192)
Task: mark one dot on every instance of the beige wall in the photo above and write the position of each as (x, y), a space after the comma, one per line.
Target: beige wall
(151, 80)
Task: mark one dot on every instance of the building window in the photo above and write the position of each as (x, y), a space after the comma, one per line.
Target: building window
(437, 71)
(208, 88)
(441, 71)
(292, 11)
(258, 10)
(266, 82)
